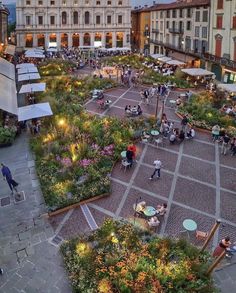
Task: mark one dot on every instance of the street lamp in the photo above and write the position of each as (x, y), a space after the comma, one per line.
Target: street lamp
(183, 48)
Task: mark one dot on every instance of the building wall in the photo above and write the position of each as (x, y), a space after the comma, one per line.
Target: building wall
(28, 21)
(3, 25)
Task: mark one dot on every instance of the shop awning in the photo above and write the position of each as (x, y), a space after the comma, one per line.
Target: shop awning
(7, 69)
(197, 72)
(34, 55)
(8, 97)
(32, 88)
(156, 56)
(34, 111)
(29, 76)
(175, 62)
(25, 65)
(30, 69)
(10, 49)
(231, 88)
(181, 57)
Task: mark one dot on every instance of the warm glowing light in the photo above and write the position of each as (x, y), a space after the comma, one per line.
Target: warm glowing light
(61, 122)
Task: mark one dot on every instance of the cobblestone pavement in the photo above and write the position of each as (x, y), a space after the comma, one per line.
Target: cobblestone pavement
(30, 261)
(197, 182)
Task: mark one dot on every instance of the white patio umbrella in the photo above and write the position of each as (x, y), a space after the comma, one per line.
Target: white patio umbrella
(164, 59)
(28, 70)
(29, 76)
(156, 56)
(34, 55)
(52, 50)
(197, 72)
(25, 65)
(34, 111)
(175, 62)
(32, 88)
(231, 88)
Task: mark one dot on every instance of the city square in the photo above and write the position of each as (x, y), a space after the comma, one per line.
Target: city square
(117, 148)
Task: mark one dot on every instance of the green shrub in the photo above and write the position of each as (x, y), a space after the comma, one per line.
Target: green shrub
(7, 135)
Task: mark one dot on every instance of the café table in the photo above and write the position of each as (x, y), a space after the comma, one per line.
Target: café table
(155, 132)
(172, 103)
(123, 154)
(189, 226)
(149, 211)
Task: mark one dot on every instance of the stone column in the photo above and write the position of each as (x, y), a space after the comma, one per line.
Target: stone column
(46, 40)
(69, 40)
(103, 39)
(114, 39)
(92, 39)
(81, 38)
(58, 40)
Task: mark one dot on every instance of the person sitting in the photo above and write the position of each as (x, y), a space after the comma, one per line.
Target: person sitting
(129, 157)
(178, 102)
(128, 109)
(153, 222)
(222, 246)
(161, 209)
(181, 136)
(215, 132)
(140, 207)
(139, 110)
(229, 110)
(172, 138)
(191, 133)
(133, 149)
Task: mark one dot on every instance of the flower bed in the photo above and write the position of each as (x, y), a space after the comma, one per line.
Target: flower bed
(204, 114)
(55, 68)
(120, 258)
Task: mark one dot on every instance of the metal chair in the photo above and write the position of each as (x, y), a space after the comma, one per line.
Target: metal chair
(125, 164)
(200, 235)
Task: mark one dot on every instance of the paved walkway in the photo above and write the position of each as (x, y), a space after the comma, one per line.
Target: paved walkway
(30, 262)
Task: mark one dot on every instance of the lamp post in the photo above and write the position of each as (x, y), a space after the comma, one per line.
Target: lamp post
(211, 234)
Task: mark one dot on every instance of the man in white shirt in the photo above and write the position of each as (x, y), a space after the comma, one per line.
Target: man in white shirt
(158, 165)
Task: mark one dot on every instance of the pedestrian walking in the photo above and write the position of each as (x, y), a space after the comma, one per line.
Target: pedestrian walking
(158, 165)
(184, 123)
(6, 173)
(225, 143)
(1, 271)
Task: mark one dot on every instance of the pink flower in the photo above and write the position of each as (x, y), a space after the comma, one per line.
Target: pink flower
(85, 162)
(66, 162)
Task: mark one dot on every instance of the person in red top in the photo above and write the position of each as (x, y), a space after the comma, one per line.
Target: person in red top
(133, 149)
(223, 245)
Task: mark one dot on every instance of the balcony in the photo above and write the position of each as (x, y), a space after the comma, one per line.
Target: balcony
(156, 42)
(175, 30)
(155, 30)
(220, 60)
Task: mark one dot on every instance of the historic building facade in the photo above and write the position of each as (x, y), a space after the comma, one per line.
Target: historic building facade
(222, 48)
(73, 23)
(181, 30)
(4, 13)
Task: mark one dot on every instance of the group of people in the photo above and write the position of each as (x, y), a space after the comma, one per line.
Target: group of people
(131, 154)
(219, 135)
(154, 221)
(159, 90)
(229, 110)
(225, 245)
(162, 68)
(133, 111)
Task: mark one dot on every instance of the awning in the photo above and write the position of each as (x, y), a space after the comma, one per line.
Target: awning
(181, 57)
(156, 56)
(10, 49)
(52, 50)
(8, 97)
(34, 55)
(197, 72)
(34, 111)
(175, 62)
(7, 69)
(164, 59)
(34, 50)
(32, 87)
(25, 65)
(231, 88)
(29, 76)
(30, 69)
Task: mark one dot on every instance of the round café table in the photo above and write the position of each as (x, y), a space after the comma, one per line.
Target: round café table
(172, 103)
(123, 154)
(189, 226)
(149, 211)
(155, 132)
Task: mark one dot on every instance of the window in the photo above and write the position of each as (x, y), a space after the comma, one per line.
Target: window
(204, 32)
(64, 2)
(188, 26)
(120, 3)
(108, 19)
(40, 20)
(63, 18)
(27, 2)
(173, 13)
(219, 21)
(52, 20)
(119, 19)
(75, 17)
(52, 3)
(75, 2)
(167, 24)
(168, 14)
(181, 13)
(98, 3)
(220, 4)
(28, 20)
(161, 14)
(86, 17)
(98, 19)
(205, 16)
(234, 22)
(87, 2)
(40, 2)
(218, 46)
(109, 3)
(197, 31)
(189, 12)
(197, 16)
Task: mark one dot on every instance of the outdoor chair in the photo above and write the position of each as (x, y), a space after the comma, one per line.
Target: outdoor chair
(124, 164)
(159, 141)
(200, 235)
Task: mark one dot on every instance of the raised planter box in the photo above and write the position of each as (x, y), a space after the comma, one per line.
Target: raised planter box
(4, 145)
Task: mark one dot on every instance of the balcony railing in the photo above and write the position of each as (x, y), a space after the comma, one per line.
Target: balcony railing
(175, 30)
(155, 30)
(220, 60)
